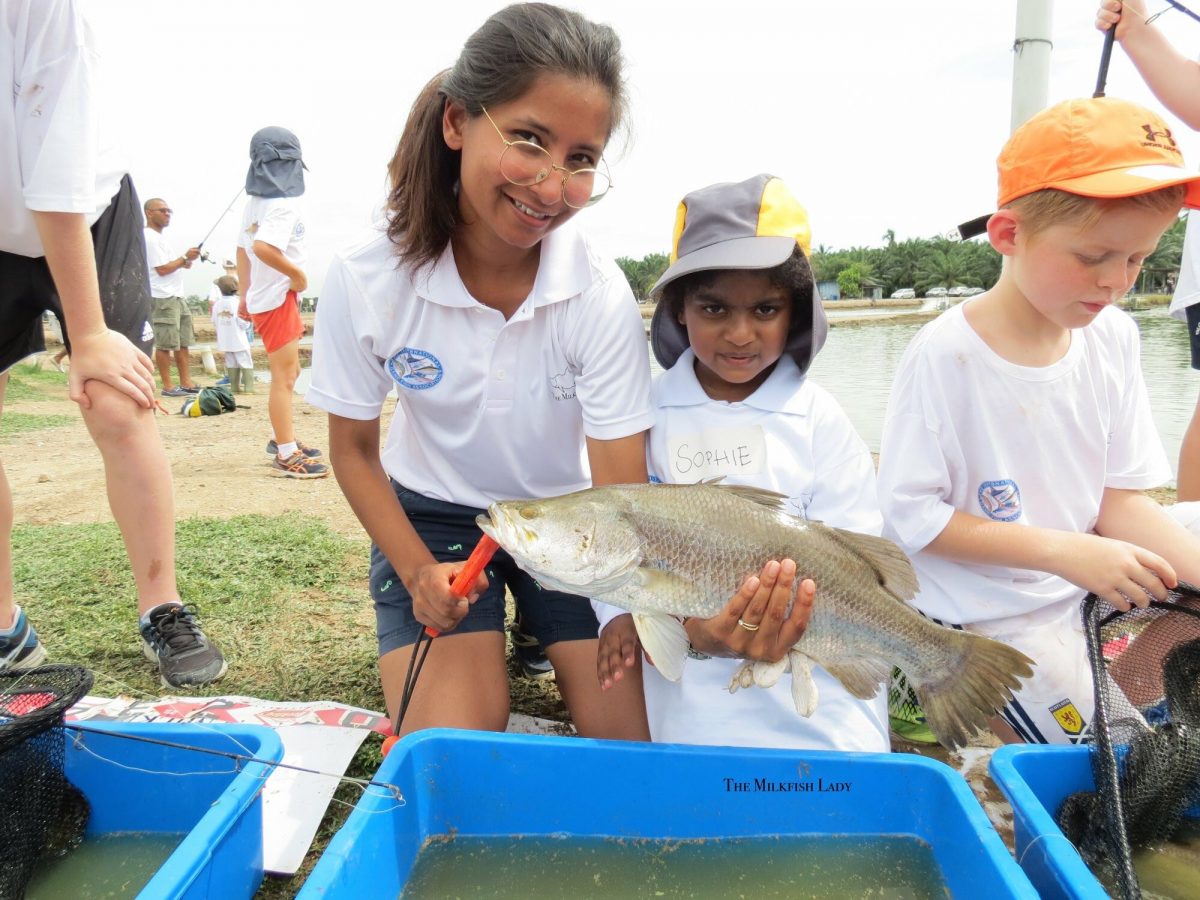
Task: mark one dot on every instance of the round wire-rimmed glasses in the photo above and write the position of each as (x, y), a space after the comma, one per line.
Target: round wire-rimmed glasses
(524, 163)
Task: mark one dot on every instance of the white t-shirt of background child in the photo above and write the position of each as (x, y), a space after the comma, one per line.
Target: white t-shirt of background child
(277, 221)
(231, 336)
(1187, 288)
(159, 252)
(791, 437)
(967, 430)
(488, 409)
(54, 152)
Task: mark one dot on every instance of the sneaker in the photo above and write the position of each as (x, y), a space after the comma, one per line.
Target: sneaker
(185, 656)
(309, 452)
(533, 662)
(223, 381)
(192, 389)
(21, 649)
(176, 392)
(298, 466)
(905, 716)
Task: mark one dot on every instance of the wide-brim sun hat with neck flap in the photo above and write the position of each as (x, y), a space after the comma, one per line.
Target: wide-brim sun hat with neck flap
(751, 224)
(1101, 147)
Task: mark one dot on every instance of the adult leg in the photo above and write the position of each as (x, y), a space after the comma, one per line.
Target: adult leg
(182, 365)
(1188, 483)
(285, 369)
(162, 359)
(618, 713)
(463, 683)
(140, 490)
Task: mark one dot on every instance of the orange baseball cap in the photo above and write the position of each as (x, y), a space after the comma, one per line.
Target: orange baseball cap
(1101, 147)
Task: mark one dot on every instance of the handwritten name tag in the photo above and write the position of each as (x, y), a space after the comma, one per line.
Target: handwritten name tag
(718, 451)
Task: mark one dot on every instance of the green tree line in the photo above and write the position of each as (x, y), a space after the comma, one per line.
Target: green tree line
(917, 263)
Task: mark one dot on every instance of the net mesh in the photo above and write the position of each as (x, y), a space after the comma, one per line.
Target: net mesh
(42, 816)
(1145, 752)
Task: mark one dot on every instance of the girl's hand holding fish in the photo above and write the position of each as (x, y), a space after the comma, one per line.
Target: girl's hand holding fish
(617, 652)
(762, 601)
(433, 602)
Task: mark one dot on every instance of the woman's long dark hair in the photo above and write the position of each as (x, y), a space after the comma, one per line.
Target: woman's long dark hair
(498, 63)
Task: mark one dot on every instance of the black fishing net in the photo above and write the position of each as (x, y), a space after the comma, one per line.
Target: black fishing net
(42, 816)
(1145, 751)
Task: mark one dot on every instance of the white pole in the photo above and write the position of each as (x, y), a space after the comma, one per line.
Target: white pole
(1031, 59)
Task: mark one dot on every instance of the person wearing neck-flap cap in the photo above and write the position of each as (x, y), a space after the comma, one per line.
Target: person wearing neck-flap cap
(270, 257)
(737, 326)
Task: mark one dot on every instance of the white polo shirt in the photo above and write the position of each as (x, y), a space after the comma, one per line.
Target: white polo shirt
(54, 152)
(277, 221)
(792, 437)
(488, 409)
(968, 430)
(159, 252)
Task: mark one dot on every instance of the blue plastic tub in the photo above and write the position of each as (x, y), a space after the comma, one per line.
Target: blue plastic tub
(1036, 779)
(482, 784)
(135, 787)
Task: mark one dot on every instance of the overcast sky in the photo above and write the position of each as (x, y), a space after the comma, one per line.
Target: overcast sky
(878, 114)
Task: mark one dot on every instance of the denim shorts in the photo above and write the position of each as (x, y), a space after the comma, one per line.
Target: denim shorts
(450, 533)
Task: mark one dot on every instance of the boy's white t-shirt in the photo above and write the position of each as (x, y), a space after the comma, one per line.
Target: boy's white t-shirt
(792, 437)
(967, 430)
(231, 335)
(488, 409)
(54, 153)
(278, 221)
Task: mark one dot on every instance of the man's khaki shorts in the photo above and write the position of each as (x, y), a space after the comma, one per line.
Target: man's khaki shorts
(172, 323)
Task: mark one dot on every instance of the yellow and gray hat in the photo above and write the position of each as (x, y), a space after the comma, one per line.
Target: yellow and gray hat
(751, 224)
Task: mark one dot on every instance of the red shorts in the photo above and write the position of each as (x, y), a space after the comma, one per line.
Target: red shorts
(280, 325)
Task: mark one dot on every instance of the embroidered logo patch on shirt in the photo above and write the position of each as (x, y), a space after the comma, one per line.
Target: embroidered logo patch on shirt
(562, 386)
(1068, 717)
(1000, 500)
(417, 370)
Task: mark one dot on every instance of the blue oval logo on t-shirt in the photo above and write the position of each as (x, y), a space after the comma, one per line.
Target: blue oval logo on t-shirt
(1000, 500)
(417, 370)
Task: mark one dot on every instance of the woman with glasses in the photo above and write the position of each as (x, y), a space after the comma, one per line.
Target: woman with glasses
(516, 351)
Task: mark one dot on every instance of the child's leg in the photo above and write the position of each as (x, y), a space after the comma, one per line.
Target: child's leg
(140, 491)
(566, 627)
(7, 604)
(1188, 483)
(463, 683)
(285, 369)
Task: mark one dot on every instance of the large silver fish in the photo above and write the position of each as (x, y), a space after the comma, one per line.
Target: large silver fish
(667, 550)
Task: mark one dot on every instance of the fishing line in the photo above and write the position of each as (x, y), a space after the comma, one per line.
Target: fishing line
(200, 245)
(363, 783)
(1176, 5)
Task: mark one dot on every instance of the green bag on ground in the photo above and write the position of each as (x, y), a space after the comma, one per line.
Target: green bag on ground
(211, 401)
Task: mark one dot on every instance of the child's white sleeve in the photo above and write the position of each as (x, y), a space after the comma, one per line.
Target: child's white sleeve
(914, 479)
(844, 493)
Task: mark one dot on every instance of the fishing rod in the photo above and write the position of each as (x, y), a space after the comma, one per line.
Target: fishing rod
(364, 783)
(1179, 6)
(200, 246)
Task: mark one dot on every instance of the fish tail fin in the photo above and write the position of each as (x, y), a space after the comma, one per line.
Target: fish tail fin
(972, 689)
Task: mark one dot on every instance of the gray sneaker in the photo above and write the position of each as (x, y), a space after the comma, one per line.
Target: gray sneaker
(22, 649)
(186, 658)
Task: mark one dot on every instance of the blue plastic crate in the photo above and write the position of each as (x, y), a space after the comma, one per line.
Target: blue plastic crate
(1037, 779)
(476, 783)
(135, 787)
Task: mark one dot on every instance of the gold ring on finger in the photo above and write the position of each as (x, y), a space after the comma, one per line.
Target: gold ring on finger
(748, 626)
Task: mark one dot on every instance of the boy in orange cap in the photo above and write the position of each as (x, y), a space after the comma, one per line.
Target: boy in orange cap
(1018, 437)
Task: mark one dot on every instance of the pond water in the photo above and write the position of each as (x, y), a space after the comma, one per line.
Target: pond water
(858, 363)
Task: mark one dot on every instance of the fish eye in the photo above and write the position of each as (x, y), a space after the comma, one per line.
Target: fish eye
(528, 512)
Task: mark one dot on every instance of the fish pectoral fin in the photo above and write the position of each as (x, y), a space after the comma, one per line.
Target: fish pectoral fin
(804, 689)
(862, 676)
(893, 567)
(665, 640)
